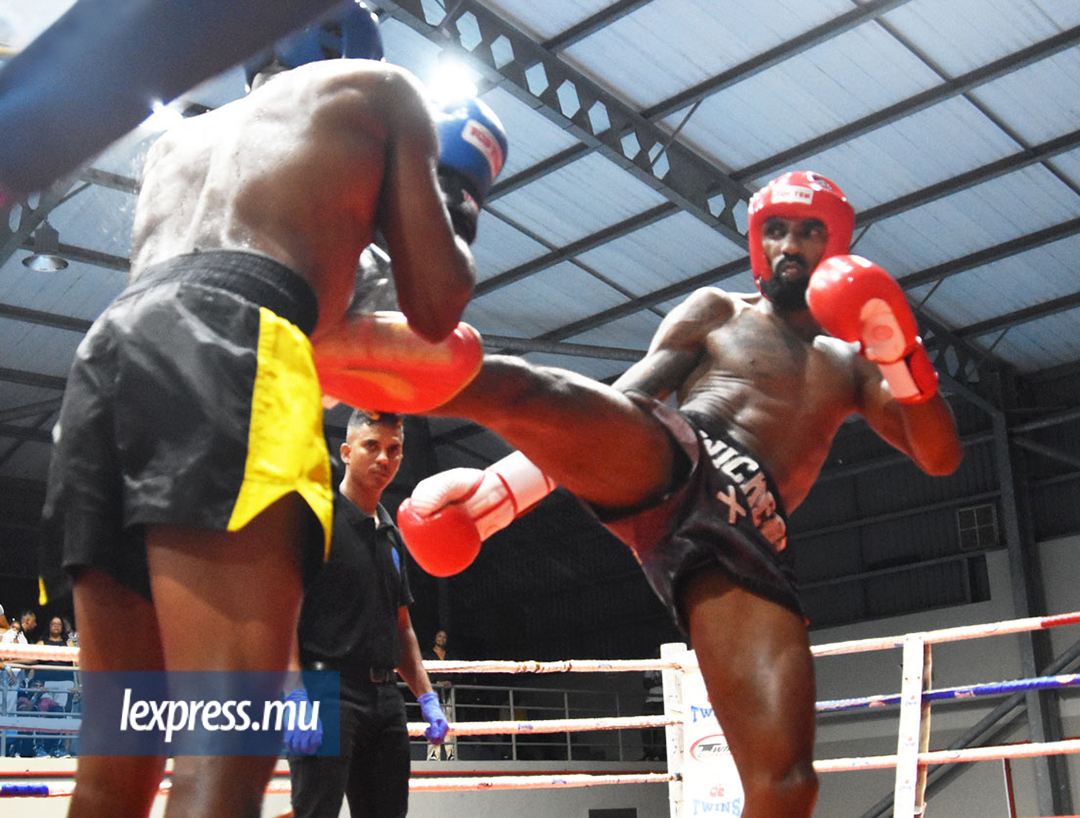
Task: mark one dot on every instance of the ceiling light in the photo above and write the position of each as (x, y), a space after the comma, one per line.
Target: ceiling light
(46, 247)
(452, 80)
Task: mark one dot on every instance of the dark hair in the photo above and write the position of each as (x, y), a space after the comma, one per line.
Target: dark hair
(361, 418)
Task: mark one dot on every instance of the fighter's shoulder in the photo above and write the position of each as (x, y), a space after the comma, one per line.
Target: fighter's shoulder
(711, 304)
(380, 81)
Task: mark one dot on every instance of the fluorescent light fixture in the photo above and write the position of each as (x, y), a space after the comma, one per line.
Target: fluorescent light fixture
(46, 245)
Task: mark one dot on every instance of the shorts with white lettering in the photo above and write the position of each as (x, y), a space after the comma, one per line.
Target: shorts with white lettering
(724, 512)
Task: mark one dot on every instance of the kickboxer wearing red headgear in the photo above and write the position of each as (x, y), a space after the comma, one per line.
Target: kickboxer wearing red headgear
(700, 492)
(851, 298)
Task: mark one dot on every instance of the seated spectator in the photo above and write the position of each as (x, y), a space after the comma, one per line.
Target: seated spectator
(13, 634)
(38, 700)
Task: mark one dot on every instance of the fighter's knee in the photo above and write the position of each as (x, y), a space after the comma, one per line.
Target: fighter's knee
(798, 788)
(515, 384)
(126, 786)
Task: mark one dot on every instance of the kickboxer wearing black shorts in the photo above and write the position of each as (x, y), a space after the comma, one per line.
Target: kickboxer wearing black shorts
(190, 480)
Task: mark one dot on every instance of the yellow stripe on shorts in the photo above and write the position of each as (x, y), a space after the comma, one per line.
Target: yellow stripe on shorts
(286, 448)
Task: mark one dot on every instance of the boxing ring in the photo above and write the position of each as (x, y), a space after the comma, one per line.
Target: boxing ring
(700, 770)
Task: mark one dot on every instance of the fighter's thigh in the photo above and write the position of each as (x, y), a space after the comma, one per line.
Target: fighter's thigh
(224, 599)
(117, 631)
(105, 609)
(590, 438)
(755, 658)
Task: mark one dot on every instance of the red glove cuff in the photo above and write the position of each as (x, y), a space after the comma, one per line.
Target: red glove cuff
(913, 378)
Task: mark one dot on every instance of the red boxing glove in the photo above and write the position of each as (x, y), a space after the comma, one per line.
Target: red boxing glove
(377, 361)
(855, 300)
(449, 514)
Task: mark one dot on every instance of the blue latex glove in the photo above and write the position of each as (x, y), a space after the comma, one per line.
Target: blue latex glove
(300, 741)
(436, 719)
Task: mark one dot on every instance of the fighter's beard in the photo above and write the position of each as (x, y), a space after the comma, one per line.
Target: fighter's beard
(787, 296)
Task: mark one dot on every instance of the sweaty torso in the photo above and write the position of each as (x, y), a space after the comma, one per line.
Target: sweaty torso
(293, 171)
(782, 393)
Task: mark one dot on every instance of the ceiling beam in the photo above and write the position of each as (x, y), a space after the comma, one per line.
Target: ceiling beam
(537, 171)
(575, 248)
(976, 103)
(24, 378)
(668, 293)
(590, 25)
(932, 96)
(1047, 451)
(977, 176)
(1022, 316)
(30, 409)
(772, 57)
(537, 76)
(44, 319)
(25, 433)
(979, 258)
(114, 181)
(683, 99)
(520, 345)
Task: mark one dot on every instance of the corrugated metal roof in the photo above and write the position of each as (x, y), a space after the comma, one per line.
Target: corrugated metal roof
(542, 302)
(962, 35)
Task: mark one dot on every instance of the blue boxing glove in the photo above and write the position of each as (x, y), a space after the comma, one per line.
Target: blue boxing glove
(302, 740)
(433, 714)
(472, 151)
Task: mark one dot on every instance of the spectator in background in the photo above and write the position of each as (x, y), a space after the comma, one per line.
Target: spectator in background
(438, 653)
(38, 700)
(13, 634)
(28, 619)
(4, 624)
(59, 682)
(653, 738)
(13, 675)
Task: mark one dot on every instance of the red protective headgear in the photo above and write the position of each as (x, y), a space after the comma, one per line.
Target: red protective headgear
(799, 195)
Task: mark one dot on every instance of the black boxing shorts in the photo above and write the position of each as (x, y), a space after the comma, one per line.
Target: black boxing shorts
(192, 401)
(725, 512)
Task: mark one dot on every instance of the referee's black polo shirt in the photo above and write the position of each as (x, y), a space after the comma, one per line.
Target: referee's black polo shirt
(350, 613)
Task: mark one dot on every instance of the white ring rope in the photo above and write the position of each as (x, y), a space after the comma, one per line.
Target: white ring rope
(502, 782)
(30, 653)
(497, 728)
(1025, 750)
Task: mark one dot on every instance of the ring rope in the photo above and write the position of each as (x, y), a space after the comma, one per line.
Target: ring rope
(1026, 750)
(491, 728)
(961, 692)
(1032, 623)
(49, 653)
(503, 782)
(992, 753)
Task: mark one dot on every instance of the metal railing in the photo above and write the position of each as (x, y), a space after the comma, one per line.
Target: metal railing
(25, 728)
(472, 703)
